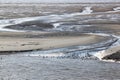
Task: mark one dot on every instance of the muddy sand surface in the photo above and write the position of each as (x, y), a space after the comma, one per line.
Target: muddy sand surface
(21, 44)
(63, 42)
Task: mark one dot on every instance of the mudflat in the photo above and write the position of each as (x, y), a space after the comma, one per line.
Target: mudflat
(73, 39)
(14, 42)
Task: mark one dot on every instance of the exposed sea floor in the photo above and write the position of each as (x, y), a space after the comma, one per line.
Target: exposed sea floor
(80, 62)
(88, 21)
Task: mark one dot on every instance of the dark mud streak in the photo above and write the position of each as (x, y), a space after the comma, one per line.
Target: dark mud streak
(31, 25)
(114, 56)
(17, 52)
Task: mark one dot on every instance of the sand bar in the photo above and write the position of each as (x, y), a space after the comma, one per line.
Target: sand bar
(18, 43)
